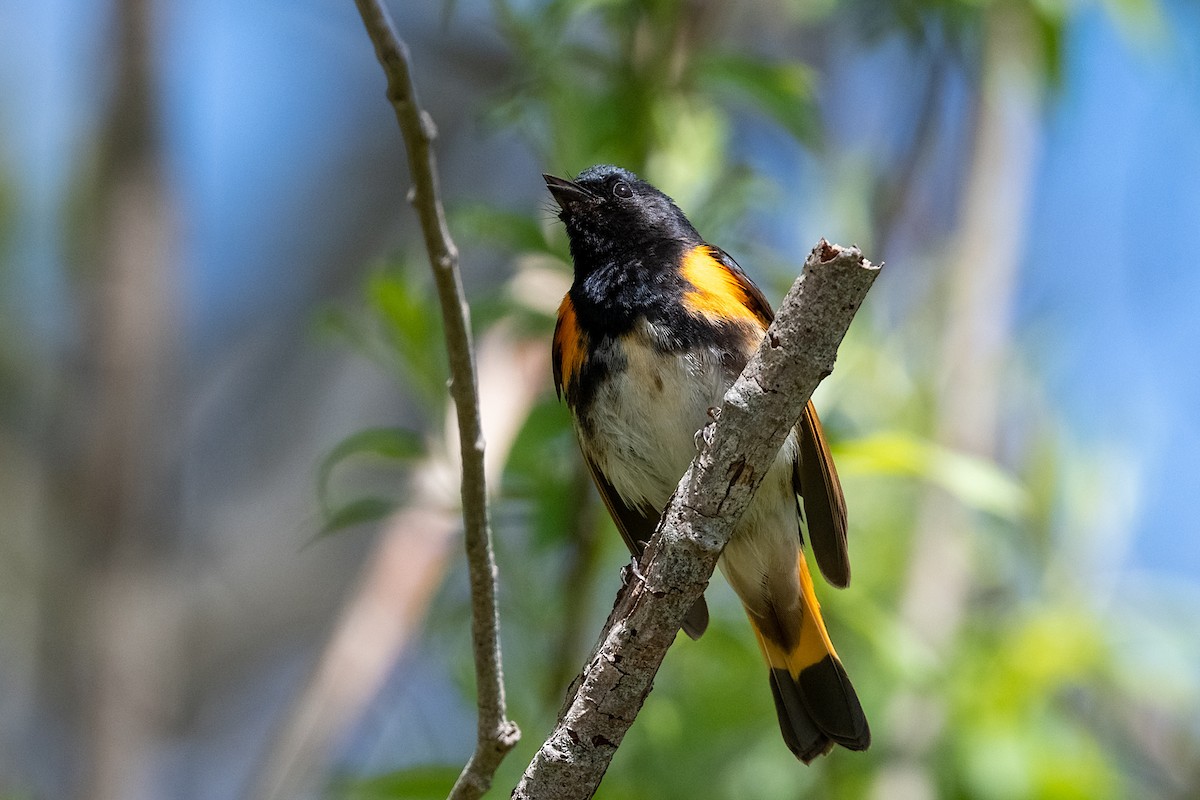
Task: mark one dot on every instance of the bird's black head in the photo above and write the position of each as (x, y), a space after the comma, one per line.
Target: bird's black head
(615, 219)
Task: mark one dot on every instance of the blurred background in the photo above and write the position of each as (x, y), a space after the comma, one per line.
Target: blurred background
(230, 560)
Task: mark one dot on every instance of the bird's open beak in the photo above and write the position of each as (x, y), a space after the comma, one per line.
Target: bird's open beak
(565, 192)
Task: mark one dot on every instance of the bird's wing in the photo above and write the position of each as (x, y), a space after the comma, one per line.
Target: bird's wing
(816, 480)
(636, 529)
(814, 473)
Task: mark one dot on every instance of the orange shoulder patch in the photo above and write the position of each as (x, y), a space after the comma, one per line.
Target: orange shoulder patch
(718, 292)
(570, 346)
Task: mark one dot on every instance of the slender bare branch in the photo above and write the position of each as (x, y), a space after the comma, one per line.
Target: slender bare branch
(738, 449)
(496, 733)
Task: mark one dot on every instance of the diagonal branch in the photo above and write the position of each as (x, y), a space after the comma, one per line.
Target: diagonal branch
(496, 733)
(758, 411)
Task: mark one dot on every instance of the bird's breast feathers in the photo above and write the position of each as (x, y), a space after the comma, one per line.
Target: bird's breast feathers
(640, 426)
(640, 389)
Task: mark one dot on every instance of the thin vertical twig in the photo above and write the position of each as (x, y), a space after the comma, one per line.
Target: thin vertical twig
(497, 735)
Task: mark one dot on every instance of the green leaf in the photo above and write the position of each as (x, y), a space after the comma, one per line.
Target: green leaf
(408, 310)
(417, 783)
(783, 91)
(1049, 30)
(977, 482)
(356, 512)
(398, 444)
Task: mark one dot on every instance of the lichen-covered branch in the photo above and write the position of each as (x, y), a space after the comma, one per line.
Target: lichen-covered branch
(497, 735)
(738, 448)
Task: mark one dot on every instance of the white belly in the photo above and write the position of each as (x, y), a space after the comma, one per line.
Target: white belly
(644, 419)
(643, 425)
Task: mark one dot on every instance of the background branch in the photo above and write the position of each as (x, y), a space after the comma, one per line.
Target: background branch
(758, 411)
(496, 733)
(967, 403)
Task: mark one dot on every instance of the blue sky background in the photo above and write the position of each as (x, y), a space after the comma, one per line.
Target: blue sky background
(1112, 321)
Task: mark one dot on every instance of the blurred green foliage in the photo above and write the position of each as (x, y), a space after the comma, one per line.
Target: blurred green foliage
(402, 334)
(395, 444)
(422, 783)
(1051, 688)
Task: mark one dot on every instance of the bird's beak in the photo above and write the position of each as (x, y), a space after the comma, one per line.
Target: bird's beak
(566, 193)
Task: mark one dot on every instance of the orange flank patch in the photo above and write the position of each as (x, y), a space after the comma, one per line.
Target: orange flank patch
(570, 345)
(718, 293)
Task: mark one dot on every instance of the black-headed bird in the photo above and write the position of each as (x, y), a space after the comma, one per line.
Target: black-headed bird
(655, 328)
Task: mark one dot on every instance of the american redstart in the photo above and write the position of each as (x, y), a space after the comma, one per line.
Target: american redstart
(656, 326)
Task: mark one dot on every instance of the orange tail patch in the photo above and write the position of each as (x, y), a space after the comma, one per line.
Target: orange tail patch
(814, 699)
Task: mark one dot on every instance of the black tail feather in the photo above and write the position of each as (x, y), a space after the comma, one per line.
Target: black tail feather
(819, 710)
(800, 733)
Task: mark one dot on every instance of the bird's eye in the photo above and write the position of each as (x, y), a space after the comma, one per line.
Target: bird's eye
(621, 189)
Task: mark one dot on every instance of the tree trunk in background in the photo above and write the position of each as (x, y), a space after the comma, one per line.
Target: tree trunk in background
(127, 595)
(984, 260)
